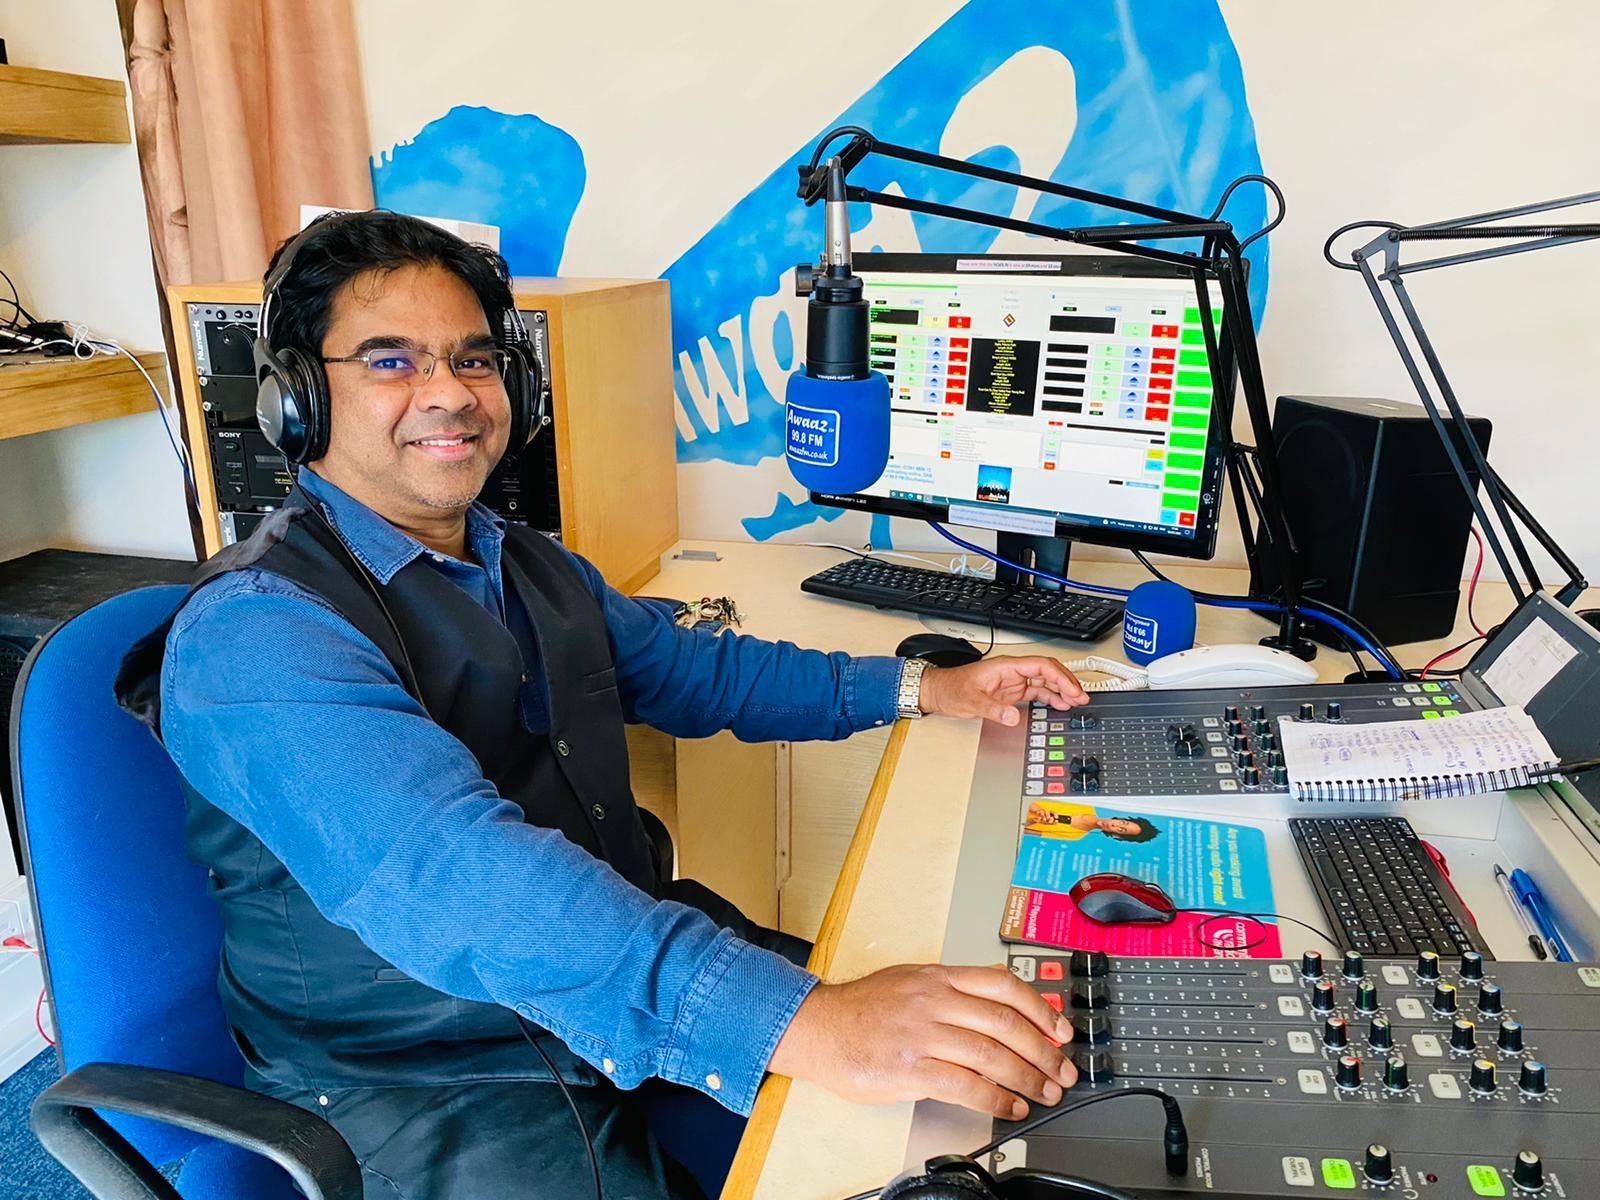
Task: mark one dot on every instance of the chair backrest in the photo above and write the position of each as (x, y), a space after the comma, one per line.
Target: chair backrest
(130, 939)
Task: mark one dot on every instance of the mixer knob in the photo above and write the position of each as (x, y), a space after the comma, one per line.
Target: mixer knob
(1510, 1037)
(1258, 712)
(1280, 775)
(1335, 1033)
(1234, 727)
(1322, 997)
(1349, 1072)
(1252, 777)
(1335, 710)
(1533, 1079)
(1231, 713)
(1427, 965)
(1528, 1173)
(1089, 964)
(1311, 964)
(1089, 995)
(1245, 759)
(1094, 1066)
(1483, 1078)
(1366, 998)
(1308, 711)
(1267, 741)
(1444, 997)
(1381, 1033)
(1239, 743)
(1090, 1029)
(1472, 965)
(1491, 1000)
(1463, 1035)
(1395, 1076)
(1354, 965)
(1379, 1167)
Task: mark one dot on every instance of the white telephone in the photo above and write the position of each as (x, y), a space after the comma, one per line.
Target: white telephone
(1203, 666)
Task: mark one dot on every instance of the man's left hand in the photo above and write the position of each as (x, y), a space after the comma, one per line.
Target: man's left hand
(993, 687)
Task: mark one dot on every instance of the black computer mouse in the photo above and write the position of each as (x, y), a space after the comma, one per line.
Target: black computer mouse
(939, 650)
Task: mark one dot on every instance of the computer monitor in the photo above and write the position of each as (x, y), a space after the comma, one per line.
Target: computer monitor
(1062, 396)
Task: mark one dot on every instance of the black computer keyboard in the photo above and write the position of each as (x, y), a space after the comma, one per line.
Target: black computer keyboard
(1382, 891)
(1024, 608)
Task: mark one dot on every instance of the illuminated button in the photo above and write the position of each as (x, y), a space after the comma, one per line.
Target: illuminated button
(1338, 1173)
(1485, 1181)
(1431, 715)
(1053, 999)
(1050, 969)
(1432, 687)
(1443, 701)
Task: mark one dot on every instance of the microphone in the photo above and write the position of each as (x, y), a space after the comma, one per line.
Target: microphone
(836, 411)
(1158, 621)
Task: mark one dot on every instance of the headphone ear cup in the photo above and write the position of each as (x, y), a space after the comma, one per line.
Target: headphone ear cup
(308, 382)
(525, 391)
(942, 1185)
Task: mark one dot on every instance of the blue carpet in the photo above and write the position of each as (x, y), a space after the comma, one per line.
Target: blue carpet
(26, 1171)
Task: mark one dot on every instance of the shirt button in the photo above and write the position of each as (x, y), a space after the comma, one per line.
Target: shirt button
(322, 1100)
(714, 1082)
(438, 558)
(599, 811)
(609, 1066)
(562, 748)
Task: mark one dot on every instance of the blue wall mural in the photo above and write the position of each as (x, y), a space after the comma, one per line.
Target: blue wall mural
(1160, 116)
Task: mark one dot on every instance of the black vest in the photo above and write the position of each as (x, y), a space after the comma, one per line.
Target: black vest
(310, 1005)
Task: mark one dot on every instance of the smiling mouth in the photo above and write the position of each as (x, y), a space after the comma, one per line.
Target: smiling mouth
(446, 442)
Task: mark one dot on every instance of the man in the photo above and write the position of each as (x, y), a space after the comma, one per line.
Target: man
(401, 727)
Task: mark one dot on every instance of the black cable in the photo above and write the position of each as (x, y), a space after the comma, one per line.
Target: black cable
(588, 1142)
(1327, 246)
(1216, 213)
(830, 136)
(1173, 1136)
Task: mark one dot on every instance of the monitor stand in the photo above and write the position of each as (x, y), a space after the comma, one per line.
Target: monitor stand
(1034, 550)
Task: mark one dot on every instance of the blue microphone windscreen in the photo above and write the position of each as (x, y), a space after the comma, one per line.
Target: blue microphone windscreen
(1158, 621)
(836, 431)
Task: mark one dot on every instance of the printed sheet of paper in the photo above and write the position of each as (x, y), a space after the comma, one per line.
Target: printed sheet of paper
(1534, 658)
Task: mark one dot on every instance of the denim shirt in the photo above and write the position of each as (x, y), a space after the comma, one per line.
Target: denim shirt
(296, 725)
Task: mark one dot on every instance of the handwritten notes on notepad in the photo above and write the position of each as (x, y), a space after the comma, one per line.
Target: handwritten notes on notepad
(1403, 760)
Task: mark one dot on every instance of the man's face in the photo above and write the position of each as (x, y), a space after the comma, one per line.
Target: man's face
(410, 450)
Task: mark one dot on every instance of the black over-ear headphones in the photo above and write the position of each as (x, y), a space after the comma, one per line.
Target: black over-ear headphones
(292, 405)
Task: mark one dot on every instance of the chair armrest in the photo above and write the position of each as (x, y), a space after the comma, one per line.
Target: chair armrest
(65, 1121)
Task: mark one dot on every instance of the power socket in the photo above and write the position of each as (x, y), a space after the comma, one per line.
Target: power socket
(15, 912)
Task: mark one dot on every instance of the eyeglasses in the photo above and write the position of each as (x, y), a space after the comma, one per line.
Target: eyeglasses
(476, 366)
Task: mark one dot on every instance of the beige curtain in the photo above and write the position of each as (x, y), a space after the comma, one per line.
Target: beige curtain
(244, 110)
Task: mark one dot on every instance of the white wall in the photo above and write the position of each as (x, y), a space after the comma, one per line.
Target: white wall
(73, 237)
(1363, 109)
(1416, 113)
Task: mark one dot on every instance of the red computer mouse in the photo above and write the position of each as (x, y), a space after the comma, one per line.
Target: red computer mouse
(1112, 899)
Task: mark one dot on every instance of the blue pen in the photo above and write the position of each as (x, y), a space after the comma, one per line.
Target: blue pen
(1528, 894)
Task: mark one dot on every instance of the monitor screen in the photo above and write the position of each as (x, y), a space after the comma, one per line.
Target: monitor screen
(1066, 396)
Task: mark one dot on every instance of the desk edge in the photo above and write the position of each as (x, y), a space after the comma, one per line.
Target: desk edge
(751, 1159)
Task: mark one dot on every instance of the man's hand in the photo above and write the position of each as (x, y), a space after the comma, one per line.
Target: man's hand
(993, 687)
(973, 1036)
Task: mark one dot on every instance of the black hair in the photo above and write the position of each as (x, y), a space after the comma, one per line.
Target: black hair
(1147, 831)
(338, 247)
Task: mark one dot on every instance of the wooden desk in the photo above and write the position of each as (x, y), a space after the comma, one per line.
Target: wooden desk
(803, 1143)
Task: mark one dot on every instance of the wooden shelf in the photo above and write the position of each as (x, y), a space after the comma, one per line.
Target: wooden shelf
(38, 394)
(44, 107)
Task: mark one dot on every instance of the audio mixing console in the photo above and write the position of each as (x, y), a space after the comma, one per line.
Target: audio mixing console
(1207, 741)
(1434, 1079)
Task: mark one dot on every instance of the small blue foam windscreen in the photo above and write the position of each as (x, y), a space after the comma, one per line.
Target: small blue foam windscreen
(837, 431)
(1159, 621)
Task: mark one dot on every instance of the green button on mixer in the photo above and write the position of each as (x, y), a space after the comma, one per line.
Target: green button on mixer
(1486, 1181)
(1338, 1173)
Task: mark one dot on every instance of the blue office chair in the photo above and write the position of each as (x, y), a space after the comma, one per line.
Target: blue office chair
(130, 944)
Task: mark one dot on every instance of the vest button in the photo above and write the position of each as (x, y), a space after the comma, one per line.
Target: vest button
(599, 811)
(562, 748)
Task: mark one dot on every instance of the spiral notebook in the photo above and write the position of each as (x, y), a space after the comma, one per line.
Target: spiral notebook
(1486, 751)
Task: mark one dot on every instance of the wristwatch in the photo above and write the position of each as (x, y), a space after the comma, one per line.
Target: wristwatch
(910, 690)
